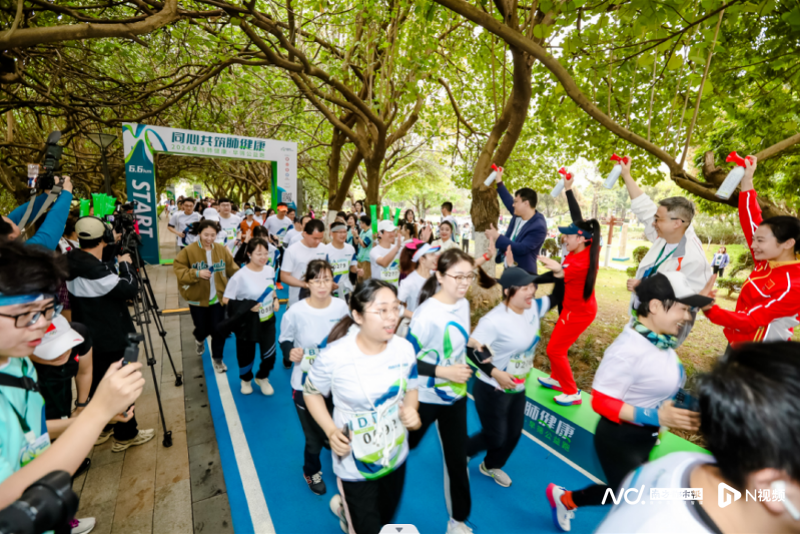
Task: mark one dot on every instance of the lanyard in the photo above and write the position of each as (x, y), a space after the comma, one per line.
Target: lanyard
(517, 226)
(654, 269)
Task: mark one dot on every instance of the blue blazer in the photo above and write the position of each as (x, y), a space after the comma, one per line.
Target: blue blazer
(529, 240)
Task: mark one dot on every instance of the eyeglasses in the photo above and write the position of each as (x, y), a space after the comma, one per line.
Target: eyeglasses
(320, 281)
(30, 318)
(468, 278)
(392, 312)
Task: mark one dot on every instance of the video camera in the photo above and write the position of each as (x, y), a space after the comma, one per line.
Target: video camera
(48, 504)
(125, 224)
(43, 176)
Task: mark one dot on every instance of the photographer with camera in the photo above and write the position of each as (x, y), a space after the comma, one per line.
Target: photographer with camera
(98, 293)
(29, 277)
(49, 233)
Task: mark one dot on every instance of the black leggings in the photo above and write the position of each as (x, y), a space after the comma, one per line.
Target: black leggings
(502, 416)
(370, 504)
(205, 321)
(315, 436)
(246, 352)
(621, 448)
(451, 423)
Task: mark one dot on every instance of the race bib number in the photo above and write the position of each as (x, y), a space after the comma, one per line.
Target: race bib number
(33, 447)
(266, 311)
(519, 366)
(391, 273)
(376, 436)
(309, 357)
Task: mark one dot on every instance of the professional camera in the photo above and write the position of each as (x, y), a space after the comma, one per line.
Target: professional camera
(48, 504)
(50, 166)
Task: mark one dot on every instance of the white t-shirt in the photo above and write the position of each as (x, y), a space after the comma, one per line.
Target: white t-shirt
(298, 236)
(295, 261)
(308, 328)
(366, 392)
(278, 227)
(389, 274)
(513, 338)
(230, 227)
(180, 221)
(672, 472)
(341, 260)
(259, 219)
(440, 333)
(289, 235)
(247, 284)
(409, 290)
(638, 373)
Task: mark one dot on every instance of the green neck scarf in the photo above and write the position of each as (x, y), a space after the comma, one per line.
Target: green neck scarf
(662, 341)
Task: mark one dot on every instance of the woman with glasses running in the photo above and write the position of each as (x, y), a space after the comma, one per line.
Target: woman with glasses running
(439, 331)
(372, 376)
(304, 332)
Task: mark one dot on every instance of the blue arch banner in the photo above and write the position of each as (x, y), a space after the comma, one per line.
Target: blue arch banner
(142, 142)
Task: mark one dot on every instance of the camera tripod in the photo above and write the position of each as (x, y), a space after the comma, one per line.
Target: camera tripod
(146, 312)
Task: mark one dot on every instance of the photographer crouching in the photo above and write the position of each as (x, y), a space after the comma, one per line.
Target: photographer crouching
(98, 293)
(29, 277)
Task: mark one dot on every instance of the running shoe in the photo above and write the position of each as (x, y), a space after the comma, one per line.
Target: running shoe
(337, 507)
(142, 437)
(219, 366)
(498, 475)
(315, 483)
(569, 400)
(561, 514)
(104, 436)
(266, 387)
(200, 346)
(550, 383)
(247, 387)
(82, 526)
(457, 527)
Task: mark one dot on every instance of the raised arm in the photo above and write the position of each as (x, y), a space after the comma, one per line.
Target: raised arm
(749, 210)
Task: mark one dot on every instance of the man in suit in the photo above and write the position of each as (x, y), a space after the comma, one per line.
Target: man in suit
(526, 232)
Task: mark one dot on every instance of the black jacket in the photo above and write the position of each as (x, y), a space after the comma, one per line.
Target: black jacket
(98, 297)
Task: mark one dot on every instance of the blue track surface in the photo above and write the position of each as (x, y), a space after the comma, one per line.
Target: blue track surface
(275, 440)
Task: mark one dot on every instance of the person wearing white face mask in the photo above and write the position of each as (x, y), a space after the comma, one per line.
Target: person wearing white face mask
(372, 375)
(633, 390)
(512, 331)
(304, 333)
(251, 297)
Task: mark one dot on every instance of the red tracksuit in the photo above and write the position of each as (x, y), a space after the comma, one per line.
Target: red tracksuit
(769, 303)
(575, 318)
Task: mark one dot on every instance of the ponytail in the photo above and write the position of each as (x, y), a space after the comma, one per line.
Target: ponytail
(592, 226)
(445, 262)
(362, 295)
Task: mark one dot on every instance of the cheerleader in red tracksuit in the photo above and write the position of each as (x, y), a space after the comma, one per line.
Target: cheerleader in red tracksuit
(769, 302)
(580, 305)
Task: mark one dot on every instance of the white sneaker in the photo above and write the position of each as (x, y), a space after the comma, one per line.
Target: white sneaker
(457, 527)
(498, 475)
(200, 346)
(569, 400)
(337, 507)
(219, 366)
(550, 382)
(247, 387)
(266, 387)
(82, 526)
(561, 515)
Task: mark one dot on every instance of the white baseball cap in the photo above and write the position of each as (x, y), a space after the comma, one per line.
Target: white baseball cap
(386, 226)
(211, 214)
(59, 338)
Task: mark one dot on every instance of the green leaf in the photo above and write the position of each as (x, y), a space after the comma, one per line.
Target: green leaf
(537, 31)
(708, 88)
(675, 62)
(645, 60)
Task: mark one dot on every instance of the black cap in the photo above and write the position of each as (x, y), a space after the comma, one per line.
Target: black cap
(671, 286)
(516, 277)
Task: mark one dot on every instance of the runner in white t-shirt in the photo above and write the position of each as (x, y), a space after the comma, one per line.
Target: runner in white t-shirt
(439, 331)
(511, 331)
(632, 390)
(181, 219)
(751, 480)
(342, 258)
(251, 301)
(279, 223)
(385, 254)
(304, 332)
(372, 376)
(229, 224)
(422, 258)
(299, 255)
